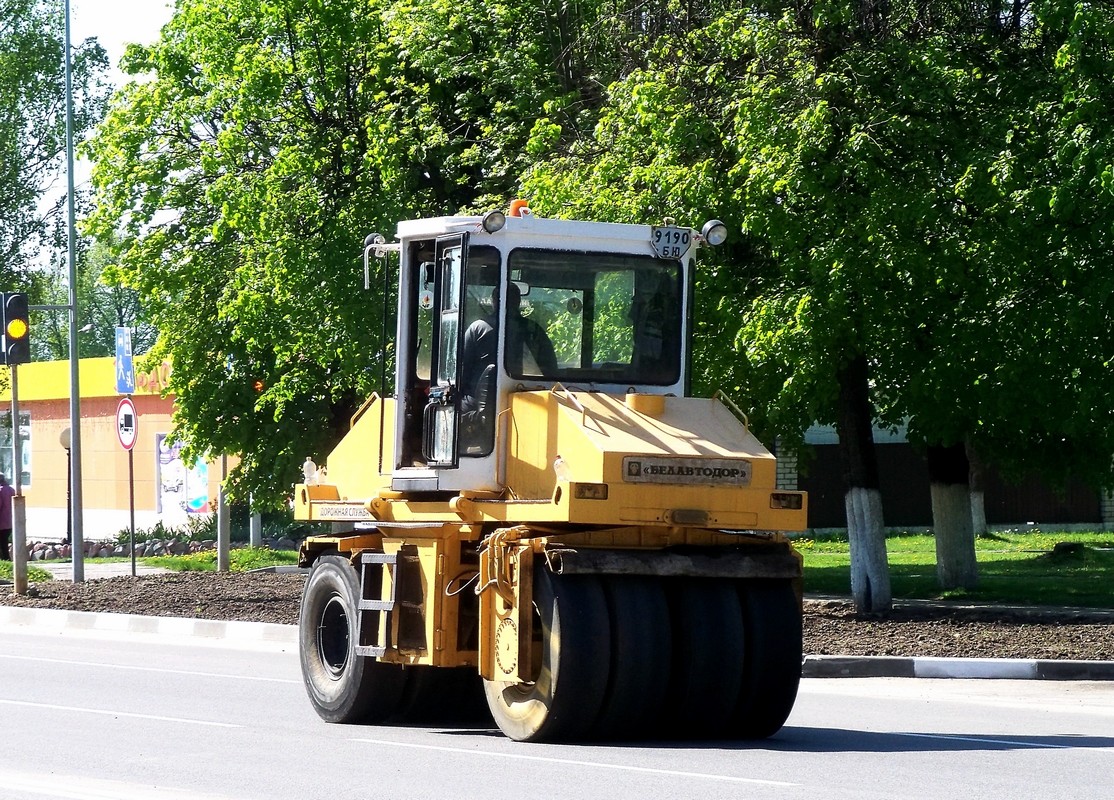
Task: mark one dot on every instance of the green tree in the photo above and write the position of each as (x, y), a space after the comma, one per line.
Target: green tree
(242, 179)
(1010, 355)
(908, 177)
(32, 130)
(702, 137)
(103, 304)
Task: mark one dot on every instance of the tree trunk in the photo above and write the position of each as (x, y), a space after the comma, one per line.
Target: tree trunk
(870, 576)
(948, 473)
(978, 499)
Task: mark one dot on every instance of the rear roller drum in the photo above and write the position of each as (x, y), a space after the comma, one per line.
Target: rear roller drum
(640, 658)
(342, 686)
(708, 647)
(772, 663)
(563, 700)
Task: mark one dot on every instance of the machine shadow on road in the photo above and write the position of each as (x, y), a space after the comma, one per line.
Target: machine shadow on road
(839, 740)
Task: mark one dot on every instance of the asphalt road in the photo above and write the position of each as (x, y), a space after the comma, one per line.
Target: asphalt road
(107, 717)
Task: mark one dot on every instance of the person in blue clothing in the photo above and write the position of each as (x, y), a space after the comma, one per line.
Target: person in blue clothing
(6, 495)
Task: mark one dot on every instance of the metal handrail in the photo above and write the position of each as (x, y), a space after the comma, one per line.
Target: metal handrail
(724, 398)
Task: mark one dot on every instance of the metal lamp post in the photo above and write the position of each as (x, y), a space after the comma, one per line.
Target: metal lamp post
(77, 531)
(64, 440)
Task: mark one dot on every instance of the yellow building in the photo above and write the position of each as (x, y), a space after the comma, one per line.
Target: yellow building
(165, 488)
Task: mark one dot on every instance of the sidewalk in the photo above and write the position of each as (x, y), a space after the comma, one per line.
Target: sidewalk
(63, 570)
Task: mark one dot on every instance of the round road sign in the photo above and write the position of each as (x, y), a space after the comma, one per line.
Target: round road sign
(127, 423)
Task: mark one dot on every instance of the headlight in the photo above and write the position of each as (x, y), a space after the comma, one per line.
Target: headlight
(714, 232)
(494, 221)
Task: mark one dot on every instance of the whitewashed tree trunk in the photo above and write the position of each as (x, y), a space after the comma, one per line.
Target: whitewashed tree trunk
(978, 512)
(870, 575)
(956, 567)
(978, 498)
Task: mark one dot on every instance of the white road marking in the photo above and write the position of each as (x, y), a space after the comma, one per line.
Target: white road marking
(111, 713)
(577, 763)
(149, 669)
(80, 787)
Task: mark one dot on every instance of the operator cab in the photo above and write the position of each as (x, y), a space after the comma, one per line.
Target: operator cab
(533, 304)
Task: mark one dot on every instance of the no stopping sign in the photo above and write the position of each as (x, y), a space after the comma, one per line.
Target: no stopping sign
(127, 423)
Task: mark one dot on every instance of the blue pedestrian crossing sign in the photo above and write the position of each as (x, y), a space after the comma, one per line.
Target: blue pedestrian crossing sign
(125, 369)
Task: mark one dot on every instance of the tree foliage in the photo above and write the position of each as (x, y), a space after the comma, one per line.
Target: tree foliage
(923, 185)
(32, 131)
(923, 188)
(243, 177)
(103, 304)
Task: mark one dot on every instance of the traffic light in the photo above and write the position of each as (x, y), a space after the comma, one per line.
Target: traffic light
(17, 329)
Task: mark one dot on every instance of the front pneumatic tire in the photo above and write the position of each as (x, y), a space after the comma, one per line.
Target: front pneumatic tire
(563, 700)
(342, 686)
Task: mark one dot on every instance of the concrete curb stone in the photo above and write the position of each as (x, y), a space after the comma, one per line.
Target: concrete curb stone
(249, 635)
(255, 635)
(991, 668)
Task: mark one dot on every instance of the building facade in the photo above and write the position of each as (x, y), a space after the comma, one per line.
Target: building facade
(165, 488)
(906, 499)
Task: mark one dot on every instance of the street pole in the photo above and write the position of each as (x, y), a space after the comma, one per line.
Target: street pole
(131, 503)
(64, 440)
(77, 531)
(224, 522)
(19, 510)
(69, 501)
(19, 544)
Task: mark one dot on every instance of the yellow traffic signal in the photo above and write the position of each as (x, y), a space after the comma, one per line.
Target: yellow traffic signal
(17, 329)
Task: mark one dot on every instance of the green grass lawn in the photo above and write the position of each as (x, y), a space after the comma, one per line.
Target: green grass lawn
(1013, 568)
(34, 574)
(240, 560)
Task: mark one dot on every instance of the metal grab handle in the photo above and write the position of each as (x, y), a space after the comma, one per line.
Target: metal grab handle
(561, 390)
(723, 397)
(427, 431)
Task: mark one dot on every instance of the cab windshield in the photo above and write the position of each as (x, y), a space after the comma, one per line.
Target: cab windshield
(593, 317)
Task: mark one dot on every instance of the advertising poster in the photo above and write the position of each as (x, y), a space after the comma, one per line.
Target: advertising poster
(7, 450)
(197, 488)
(181, 491)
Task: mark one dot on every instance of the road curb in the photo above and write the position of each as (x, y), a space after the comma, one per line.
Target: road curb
(235, 633)
(269, 635)
(927, 667)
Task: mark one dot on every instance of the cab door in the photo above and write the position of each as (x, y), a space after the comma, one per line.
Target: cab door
(440, 420)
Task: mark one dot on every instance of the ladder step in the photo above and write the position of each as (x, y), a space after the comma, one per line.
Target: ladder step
(382, 609)
(379, 558)
(376, 605)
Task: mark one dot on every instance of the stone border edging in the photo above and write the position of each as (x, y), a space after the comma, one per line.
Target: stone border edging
(930, 667)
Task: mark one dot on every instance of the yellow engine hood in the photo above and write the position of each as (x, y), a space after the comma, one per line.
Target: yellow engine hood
(598, 436)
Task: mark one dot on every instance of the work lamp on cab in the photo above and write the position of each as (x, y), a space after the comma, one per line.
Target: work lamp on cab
(17, 329)
(714, 232)
(494, 221)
